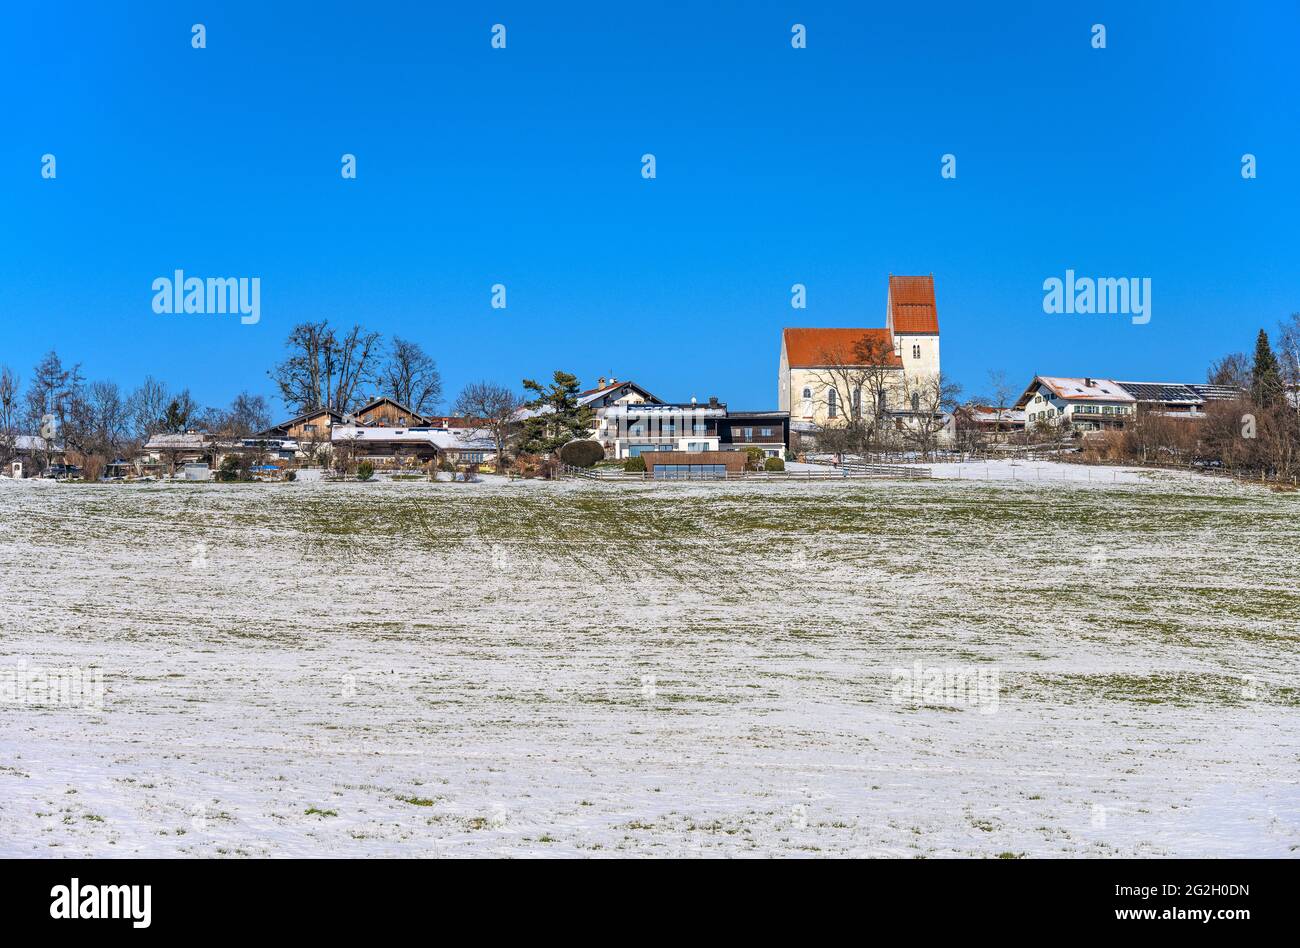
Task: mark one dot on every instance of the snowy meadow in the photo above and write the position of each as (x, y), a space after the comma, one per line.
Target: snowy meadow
(868, 668)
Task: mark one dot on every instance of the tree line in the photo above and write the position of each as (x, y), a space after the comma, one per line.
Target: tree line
(324, 368)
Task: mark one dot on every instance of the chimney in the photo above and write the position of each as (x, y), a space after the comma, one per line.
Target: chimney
(713, 401)
(600, 382)
(1089, 382)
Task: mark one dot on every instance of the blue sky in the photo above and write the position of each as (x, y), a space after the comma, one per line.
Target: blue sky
(522, 166)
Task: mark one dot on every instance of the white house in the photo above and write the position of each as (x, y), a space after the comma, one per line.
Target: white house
(1085, 404)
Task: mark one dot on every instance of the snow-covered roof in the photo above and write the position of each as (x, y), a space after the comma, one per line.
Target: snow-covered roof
(443, 438)
(190, 441)
(986, 414)
(1086, 389)
(363, 434)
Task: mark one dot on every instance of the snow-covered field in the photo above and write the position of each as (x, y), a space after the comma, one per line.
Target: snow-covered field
(661, 669)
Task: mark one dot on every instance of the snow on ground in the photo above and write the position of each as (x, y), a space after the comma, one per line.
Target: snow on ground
(1048, 472)
(547, 669)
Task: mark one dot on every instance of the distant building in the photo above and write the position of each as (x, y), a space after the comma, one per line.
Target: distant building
(769, 431)
(988, 419)
(1095, 404)
(388, 412)
(391, 445)
(823, 371)
(1085, 404)
(32, 453)
(384, 444)
(693, 465)
(1179, 398)
(306, 435)
(632, 422)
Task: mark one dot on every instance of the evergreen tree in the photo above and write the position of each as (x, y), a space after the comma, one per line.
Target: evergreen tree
(1265, 376)
(557, 418)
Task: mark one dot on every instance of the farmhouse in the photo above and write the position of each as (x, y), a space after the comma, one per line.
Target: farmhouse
(1094, 404)
(385, 411)
(1085, 404)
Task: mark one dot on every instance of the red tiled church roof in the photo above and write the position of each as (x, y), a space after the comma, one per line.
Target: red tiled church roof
(811, 347)
(911, 304)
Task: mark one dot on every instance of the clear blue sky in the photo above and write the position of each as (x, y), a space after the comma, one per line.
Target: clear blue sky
(522, 166)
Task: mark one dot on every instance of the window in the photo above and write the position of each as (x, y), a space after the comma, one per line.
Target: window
(807, 401)
(916, 352)
(682, 472)
(749, 434)
(916, 401)
(832, 409)
(700, 427)
(857, 402)
(765, 432)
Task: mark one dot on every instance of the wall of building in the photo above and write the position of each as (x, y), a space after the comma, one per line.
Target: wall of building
(817, 379)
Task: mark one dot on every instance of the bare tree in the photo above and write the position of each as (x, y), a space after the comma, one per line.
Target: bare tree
(51, 390)
(493, 406)
(411, 377)
(51, 397)
(853, 387)
(1003, 395)
(146, 406)
(9, 386)
(325, 370)
(108, 419)
(248, 414)
(928, 398)
(1232, 370)
(1288, 356)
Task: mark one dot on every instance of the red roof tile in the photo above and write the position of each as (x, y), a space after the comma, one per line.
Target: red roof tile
(911, 304)
(811, 347)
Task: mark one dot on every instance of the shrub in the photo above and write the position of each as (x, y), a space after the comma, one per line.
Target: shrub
(634, 465)
(365, 471)
(235, 467)
(525, 465)
(754, 458)
(582, 453)
(773, 464)
(92, 467)
(291, 475)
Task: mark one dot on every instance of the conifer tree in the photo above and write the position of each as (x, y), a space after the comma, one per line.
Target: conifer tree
(1265, 376)
(557, 418)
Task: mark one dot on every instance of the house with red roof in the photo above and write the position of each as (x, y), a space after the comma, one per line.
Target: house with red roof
(823, 371)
